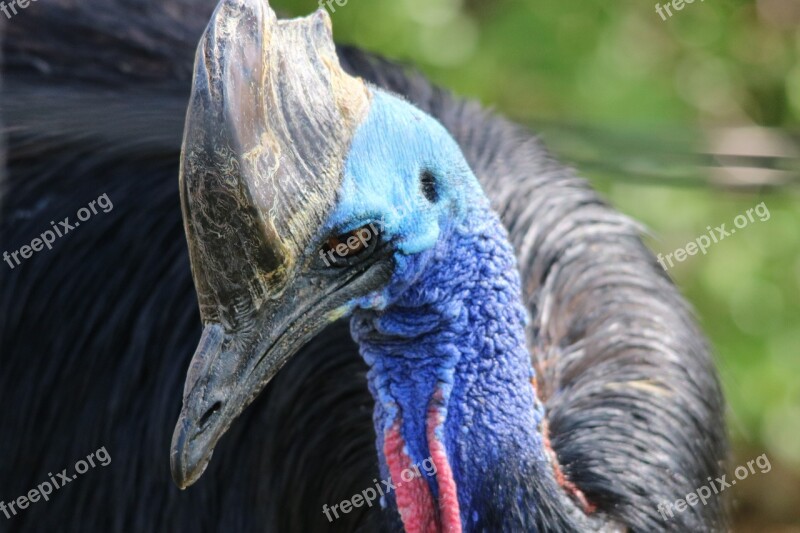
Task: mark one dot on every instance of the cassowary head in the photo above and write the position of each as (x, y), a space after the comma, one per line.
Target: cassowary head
(309, 195)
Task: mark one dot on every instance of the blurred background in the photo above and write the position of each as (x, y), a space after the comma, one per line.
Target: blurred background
(683, 124)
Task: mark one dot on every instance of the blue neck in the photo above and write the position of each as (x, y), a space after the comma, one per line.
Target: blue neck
(453, 338)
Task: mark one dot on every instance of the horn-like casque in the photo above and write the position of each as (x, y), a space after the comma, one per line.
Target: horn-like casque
(269, 123)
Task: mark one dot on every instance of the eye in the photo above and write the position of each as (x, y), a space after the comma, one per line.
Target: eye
(349, 248)
(427, 182)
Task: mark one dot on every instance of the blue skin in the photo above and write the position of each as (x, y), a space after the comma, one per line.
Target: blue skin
(451, 318)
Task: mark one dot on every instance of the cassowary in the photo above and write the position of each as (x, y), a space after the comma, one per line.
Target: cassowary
(492, 315)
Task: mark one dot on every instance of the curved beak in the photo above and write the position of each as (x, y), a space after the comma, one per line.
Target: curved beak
(268, 126)
(230, 368)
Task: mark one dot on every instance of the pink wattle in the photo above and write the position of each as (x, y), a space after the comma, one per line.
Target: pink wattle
(414, 498)
(449, 512)
(415, 501)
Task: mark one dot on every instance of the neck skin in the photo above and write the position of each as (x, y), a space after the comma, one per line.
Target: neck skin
(453, 385)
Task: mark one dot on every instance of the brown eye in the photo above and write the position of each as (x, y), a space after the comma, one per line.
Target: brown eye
(342, 250)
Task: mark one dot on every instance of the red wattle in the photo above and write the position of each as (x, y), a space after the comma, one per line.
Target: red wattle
(449, 512)
(414, 498)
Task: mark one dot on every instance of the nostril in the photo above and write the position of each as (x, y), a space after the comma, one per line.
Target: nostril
(214, 409)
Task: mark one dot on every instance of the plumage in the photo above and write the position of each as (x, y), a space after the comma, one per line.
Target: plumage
(96, 334)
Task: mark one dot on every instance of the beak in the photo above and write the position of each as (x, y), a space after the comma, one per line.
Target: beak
(268, 127)
(230, 368)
